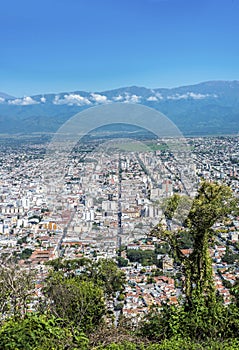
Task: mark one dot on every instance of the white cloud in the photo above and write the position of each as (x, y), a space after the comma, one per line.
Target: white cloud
(118, 98)
(57, 100)
(2, 99)
(25, 101)
(135, 98)
(177, 97)
(197, 96)
(132, 98)
(159, 96)
(190, 95)
(152, 98)
(71, 99)
(99, 98)
(43, 99)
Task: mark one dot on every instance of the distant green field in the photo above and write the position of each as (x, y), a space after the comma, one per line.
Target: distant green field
(156, 147)
(128, 146)
(138, 146)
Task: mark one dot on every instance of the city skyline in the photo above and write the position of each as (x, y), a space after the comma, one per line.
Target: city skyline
(97, 46)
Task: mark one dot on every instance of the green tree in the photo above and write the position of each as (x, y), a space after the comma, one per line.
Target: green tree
(145, 257)
(26, 253)
(230, 257)
(43, 332)
(213, 203)
(75, 301)
(122, 262)
(106, 274)
(202, 314)
(68, 265)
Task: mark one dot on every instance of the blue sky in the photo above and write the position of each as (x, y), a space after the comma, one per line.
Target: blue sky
(95, 45)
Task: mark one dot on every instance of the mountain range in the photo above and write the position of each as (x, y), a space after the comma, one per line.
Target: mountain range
(208, 108)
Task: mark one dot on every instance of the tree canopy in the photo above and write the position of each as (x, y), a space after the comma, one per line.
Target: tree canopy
(214, 203)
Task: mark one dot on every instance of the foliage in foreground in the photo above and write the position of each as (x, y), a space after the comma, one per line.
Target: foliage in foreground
(175, 344)
(198, 324)
(77, 302)
(43, 332)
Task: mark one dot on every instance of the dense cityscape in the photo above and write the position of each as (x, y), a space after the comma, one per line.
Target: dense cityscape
(107, 204)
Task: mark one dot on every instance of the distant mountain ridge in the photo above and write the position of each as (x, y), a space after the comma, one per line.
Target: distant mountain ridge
(207, 108)
(6, 96)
